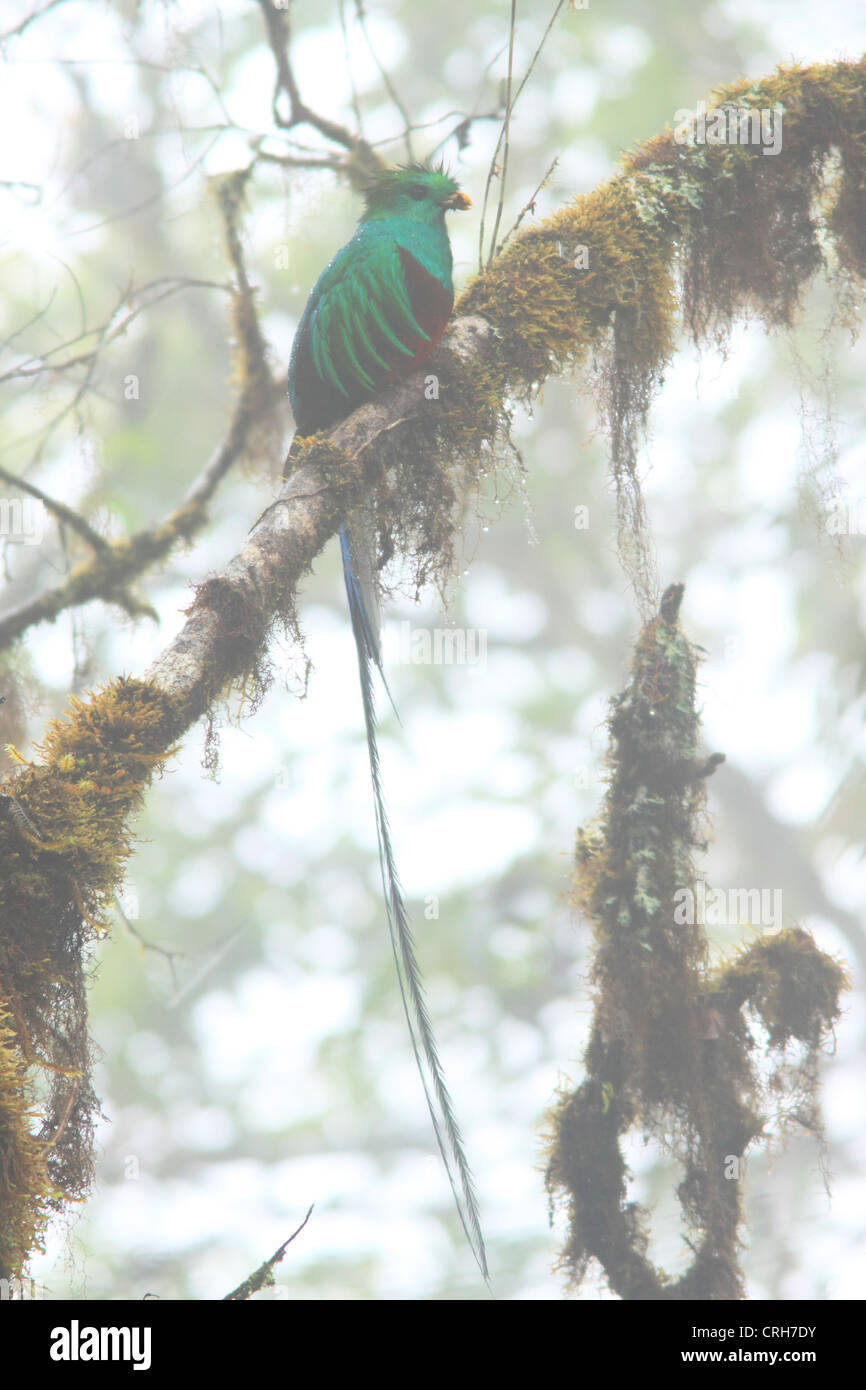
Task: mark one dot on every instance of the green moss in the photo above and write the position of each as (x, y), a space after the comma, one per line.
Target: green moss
(670, 1049)
(712, 233)
(793, 987)
(26, 1189)
(64, 841)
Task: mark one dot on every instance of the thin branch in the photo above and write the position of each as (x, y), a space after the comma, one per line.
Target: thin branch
(146, 945)
(30, 19)
(147, 202)
(35, 318)
(264, 1275)
(214, 959)
(170, 69)
(506, 131)
(153, 133)
(461, 131)
(386, 79)
(110, 572)
(347, 54)
(491, 173)
(528, 206)
(279, 34)
(290, 161)
(12, 185)
(105, 334)
(107, 576)
(537, 54)
(65, 516)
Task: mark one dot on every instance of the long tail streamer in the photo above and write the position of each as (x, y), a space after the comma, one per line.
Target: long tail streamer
(446, 1129)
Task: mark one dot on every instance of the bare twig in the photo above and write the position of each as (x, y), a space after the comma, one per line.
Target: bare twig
(461, 131)
(151, 65)
(35, 318)
(299, 113)
(204, 970)
(153, 133)
(108, 331)
(491, 173)
(32, 192)
(30, 19)
(291, 161)
(146, 945)
(65, 516)
(506, 130)
(528, 206)
(264, 1275)
(386, 79)
(347, 54)
(156, 197)
(108, 575)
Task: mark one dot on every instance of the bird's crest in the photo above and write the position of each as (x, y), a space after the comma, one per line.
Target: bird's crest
(421, 182)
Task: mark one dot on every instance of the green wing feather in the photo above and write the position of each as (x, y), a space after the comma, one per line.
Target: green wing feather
(362, 309)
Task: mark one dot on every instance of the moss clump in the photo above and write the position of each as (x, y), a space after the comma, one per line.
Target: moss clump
(714, 232)
(64, 839)
(791, 986)
(670, 1049)
(744, 226)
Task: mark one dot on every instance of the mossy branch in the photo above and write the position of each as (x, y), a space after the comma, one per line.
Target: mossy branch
(670, 1048)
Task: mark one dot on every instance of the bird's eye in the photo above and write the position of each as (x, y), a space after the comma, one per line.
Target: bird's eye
(417, 192)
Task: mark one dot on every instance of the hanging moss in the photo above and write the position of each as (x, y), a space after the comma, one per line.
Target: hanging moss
(711, 233)
(743, 226)
(790, 986)
(670, 1049)
(64, 840)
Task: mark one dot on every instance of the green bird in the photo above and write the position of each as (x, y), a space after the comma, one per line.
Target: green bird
(374, 315)
(381, 305)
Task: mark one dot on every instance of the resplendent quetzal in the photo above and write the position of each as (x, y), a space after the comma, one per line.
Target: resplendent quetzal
(375, 314)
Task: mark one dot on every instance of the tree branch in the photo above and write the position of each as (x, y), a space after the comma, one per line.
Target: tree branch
(279, 34)
(600, 268)
(116, 564)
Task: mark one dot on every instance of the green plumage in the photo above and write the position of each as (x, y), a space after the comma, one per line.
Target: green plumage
(381, 305)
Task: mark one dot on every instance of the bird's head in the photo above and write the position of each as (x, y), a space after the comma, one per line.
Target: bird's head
(420, 192)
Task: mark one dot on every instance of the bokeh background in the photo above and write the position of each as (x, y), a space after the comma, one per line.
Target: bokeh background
(268, 1067)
